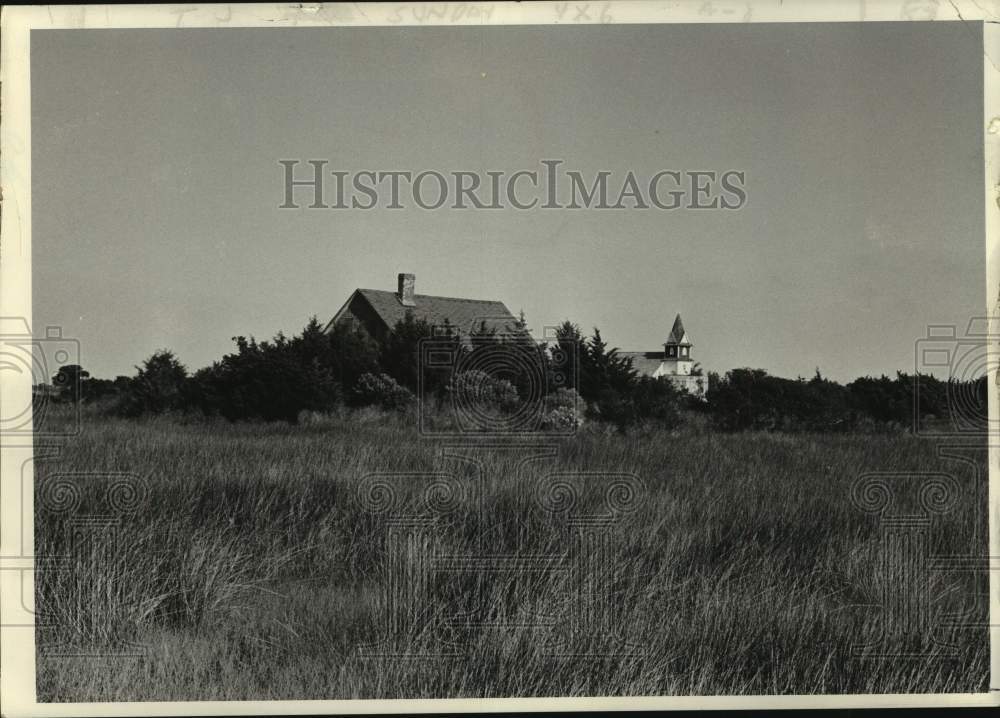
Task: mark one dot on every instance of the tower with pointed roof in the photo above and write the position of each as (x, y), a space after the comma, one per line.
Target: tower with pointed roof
(673, 363)
(677, 351)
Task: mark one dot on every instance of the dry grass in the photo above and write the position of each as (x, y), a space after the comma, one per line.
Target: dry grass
(249, 570)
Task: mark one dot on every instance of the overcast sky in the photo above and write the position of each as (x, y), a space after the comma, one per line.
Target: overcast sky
(156, 183)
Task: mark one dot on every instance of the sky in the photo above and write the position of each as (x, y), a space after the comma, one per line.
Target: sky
(156, 183)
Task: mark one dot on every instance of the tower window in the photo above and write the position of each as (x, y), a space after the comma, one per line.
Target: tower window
(684, 351)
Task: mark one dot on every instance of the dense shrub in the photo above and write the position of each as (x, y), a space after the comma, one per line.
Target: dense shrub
(613, 407)
(160, 385)
(69, 382)
(510, 354)
(72, 383)
(399, 356)
(476, 387)
(563, 410)
(599, 374)
(505, 370)
(751, 399)
(658, 400)
(911, 398)
(566, 399)
(380, 390)
(99, 389)
(349, 351)
(268, 380)
(883, 399)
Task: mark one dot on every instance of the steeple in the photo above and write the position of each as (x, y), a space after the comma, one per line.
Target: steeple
(677, 346)
(677, 334)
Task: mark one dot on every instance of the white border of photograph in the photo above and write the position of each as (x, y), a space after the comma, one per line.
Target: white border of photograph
(17, 631)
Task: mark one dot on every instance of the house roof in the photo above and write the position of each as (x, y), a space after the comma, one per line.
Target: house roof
(463, 314)
(644, 362)
(677, 334)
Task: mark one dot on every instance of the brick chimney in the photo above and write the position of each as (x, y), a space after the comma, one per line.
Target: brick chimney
(405, 293)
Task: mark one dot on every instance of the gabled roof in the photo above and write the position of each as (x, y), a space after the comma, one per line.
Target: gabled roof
(463, 314)
(644, 362)
(677, 334)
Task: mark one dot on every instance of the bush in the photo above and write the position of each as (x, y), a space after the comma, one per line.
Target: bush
(381, 390)
(565, 398)
(658, 400)
(349, 352)
(883, 400)
(599, 374)
(475, 387)
(510, 353)
(69, 380)
(751, 399)
(94, 390)
(614, 407)
(160, 385)
(273, 381)
(400, 353)
(564, 410)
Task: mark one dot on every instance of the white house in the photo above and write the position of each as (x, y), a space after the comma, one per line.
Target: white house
(673, 362)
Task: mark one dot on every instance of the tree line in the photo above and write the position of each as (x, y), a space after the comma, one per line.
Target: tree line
(317, 371)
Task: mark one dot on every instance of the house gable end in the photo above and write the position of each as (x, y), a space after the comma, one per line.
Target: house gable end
(359, 309)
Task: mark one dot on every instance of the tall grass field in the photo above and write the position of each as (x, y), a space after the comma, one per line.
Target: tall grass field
(206, 560)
